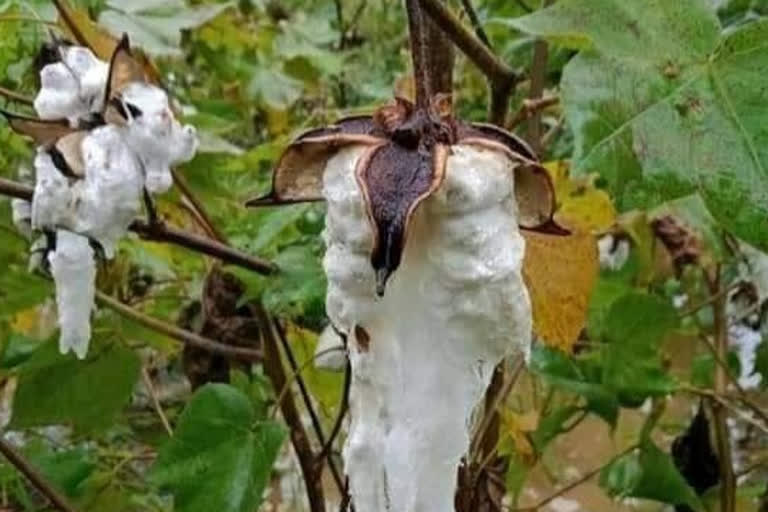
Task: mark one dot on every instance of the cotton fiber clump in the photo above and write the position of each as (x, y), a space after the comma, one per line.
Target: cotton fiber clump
(112, 165)
(423, 355)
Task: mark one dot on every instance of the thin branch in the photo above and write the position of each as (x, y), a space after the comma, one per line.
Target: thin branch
(326, 450)
(538, 79)
(491, 409)
(493, 67)
(725, 401)
(548, 137)
(301, 369)
(307, 398)
(476, 24)
(159, 232)
(581, 480)
(34, 477)
(177, 333)
(198, 209)
(529, 107)
(728, 479)
(70, 23)
(501, 78)
(156, 401)
(709, 300)
(273, 366)
(15, 96)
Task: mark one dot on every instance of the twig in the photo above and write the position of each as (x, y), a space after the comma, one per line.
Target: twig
(34, 477)
(548, 137)
(709, 300)
(583, 479)
(70, 23)
(15, 96)
(273, 366)
(307, 398)
(301, 369)
(728, 479)
(501, 77)
(326, 449)
(177, 333)
(724, 401)
(159, 232)
(475, 20)
(529, 107)
(538, 79)
(493, 405)
(197, 207)
(156, 401)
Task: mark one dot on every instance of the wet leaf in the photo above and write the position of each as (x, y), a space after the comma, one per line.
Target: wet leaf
(663, 106)
(56, 389)
(560, 272)
(221, 455)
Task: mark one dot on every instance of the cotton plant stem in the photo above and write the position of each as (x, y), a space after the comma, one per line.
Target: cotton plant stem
(15, 96)
(530, 107)
(35, 478)
(156, 401)
(197, 207)
(307, 398)
(475, 20)
(159, 232)
(177, 333)
(273, 367)
(538, 79)
(501, 77)
(728, 479)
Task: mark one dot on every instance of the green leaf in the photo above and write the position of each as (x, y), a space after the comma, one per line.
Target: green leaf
(67, 469)
(552, 425)
(648, 473)
(761, 362)
(60, 389)
(156, 25)
(575, 376)
(642, 32)
(275, 88)
(220, 457)
(633, 331)
(662, 106)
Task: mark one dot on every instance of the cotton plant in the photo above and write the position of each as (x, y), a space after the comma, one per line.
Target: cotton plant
(106, 137)
(424, 262)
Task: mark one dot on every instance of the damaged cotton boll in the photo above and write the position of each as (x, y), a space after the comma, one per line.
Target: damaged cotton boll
(72, 88)
(423, 354)
(155, 135)
(74, 273)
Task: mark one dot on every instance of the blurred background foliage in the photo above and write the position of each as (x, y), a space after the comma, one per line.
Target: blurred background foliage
(252, 74)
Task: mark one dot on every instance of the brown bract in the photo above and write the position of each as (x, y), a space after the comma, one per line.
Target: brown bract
(408, 149)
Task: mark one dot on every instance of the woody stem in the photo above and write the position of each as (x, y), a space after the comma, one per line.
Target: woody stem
(432, 55)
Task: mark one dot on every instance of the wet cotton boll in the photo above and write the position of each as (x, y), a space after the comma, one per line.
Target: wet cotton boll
(109, 198)
(156, 136)
(54, 198)
(73, 88)
(423, 355)
(74, 273)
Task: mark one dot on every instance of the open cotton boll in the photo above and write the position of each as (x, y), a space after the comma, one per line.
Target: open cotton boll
(423, 355)
(109, 198)
(53, 203)
(21, 214)
(72, 88)
(74, 273)
(156, 136)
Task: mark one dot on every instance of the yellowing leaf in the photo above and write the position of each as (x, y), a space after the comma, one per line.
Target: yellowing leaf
(560, 272)
(515, 429)
(580, 204)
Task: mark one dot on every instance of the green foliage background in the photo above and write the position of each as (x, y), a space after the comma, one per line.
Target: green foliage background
(665, 101)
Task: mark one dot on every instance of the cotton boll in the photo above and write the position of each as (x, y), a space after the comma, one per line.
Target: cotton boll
(110, 196)
(156, 136)
(456, 306)
(53, 203)
(74, 273)
(73, 88)
(21, 212)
